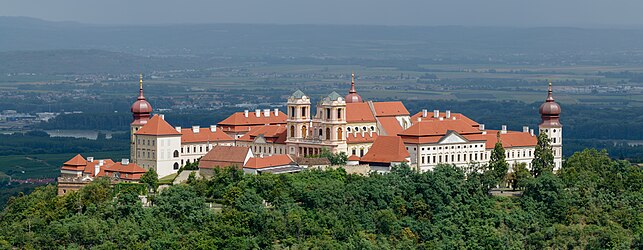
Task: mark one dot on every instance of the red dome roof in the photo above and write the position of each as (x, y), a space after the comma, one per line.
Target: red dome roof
(550, 111)
(352, 96)
(141, 109)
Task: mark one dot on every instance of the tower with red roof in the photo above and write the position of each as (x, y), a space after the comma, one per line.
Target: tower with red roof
(141, 112)
(551, 126)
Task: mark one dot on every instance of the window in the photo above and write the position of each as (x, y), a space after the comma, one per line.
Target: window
(361, 152)
(327, 114)
(348, 129)
(176, 153)
(201, 149)
(181, 150)
(339, 134)
(303, 112)
(354, 151)
(434, 159)
(292, 111)
(321, 132)
(339, 114)
(304, 132)
(423, 160)
(176, 165)
(372, 128)
(327, 133)
(440, 159)
(292, 131)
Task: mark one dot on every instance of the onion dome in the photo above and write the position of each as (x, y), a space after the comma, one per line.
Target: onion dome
(550, 111)
(352, 96)
(141, 109)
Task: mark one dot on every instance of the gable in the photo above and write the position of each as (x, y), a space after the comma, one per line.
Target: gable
(452, 137)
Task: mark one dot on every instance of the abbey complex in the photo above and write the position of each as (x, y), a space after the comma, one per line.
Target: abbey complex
(374, 135)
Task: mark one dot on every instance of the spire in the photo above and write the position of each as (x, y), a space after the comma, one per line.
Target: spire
(352, 90)
(550, 96)
(140, 88)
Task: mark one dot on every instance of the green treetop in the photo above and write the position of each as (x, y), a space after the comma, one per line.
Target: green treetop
(543, 156)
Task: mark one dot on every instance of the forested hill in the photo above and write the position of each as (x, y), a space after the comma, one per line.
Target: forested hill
(593, 202)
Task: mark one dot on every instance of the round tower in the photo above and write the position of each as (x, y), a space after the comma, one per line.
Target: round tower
(551, 126)
(352, 96)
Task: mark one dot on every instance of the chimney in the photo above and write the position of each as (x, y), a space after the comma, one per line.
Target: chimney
(178, 129)
(90, 159)
(504, 129)
(101, 162)
(258, 112)
(531, 132)
(525, 129)
(162, 116)
(482, 127)
(419, 119)
(195, 129)
(441, 118)
(436, 113)
(424, 113)
(261, 155)
(266, 112)
(448, 114)
(213, 128)
(245, 113)
(276, 112)
(125, 161)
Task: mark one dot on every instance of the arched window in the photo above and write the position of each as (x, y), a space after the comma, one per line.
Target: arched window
(303, 112)
(292, 131)
(176, 165)
(339, 114)
(327, 114)
(321, 133)
(292, 112)
(304, 132)
(176, 153)
(188, 161)
(339, 133)
(327, 133)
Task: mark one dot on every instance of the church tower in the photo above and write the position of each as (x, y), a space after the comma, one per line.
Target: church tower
(141, 111)
(332, 110)
(550, 125)
(299, 120)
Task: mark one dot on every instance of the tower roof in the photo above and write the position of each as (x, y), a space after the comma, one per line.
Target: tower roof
(333, 96)
(157, 126)
(352, 96)
(298, 94)
(550, 110)
(141, 109)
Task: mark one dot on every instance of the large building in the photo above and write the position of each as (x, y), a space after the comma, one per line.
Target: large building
(338, 123)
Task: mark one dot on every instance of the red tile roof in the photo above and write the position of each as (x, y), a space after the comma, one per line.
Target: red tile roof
(272, 134)
(387, 149)
(358, 138)
(359, 112)
(77, 160)
(458, 116)
(510, 139)
(157, 126)
(436, 127)
(269, 161)
(130, 171)
(390, 109)
(354, 158)
(204, 135)
(391, 125)
(239, 119)
(223, 156)
(89, 168)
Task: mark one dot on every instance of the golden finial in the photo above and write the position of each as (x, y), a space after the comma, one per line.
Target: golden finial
(141, 82)
(353, 77)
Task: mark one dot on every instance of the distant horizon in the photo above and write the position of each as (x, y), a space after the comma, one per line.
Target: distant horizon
(621, 27)
(489, 13)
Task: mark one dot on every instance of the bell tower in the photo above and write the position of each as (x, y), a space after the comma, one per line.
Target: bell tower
(299, 119)
(332, 110)
(551, 126)
(141, 111)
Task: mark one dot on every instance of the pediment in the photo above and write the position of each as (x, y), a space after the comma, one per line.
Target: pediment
(452, 137)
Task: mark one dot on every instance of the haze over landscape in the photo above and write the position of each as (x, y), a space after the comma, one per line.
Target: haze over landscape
(430, 124)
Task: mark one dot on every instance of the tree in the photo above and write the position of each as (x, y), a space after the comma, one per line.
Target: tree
(521, 176)
(543, 156)
(151, 178)
(334, 158)
(498, 166)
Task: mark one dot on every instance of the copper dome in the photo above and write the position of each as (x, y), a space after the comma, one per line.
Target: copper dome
(550, 111)
(352, 96)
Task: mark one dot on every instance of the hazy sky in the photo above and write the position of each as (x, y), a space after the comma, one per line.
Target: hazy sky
(584, 13)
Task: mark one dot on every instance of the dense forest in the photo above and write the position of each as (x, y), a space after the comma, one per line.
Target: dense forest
(593, 202)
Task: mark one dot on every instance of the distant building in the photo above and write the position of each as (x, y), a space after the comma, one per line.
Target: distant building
(78, 172)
